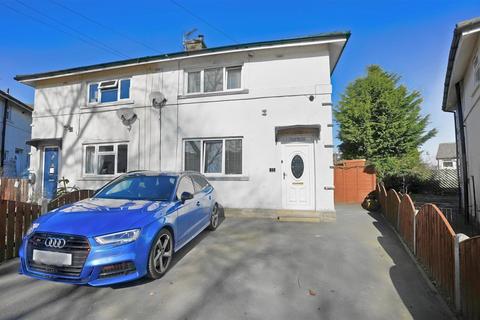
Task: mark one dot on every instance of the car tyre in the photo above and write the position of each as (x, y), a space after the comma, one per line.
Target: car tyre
(214, 218)
(160, 255)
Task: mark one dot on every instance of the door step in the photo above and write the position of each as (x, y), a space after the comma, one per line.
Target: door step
(282, 215)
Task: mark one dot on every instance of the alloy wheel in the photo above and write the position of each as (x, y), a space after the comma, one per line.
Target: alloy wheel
(163, 253)
(214, 217)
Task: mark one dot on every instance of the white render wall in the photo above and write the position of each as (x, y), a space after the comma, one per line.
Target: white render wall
(18, 131)
(278, 80)
(471, 112)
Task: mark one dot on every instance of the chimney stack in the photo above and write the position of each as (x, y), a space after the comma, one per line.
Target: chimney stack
(195, 44)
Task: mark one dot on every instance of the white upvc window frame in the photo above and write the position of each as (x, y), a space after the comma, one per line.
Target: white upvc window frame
(225, 77)
(98, 153)
(116, 83)
(476, 70)
(202, 79)
(202, 156)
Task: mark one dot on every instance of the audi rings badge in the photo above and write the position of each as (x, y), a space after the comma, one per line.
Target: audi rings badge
(57, 243)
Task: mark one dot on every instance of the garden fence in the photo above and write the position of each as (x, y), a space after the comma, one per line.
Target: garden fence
(70, 197)
(452, 260)
(15, 219)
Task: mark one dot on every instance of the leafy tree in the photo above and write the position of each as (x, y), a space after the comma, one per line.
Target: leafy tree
(380, 121)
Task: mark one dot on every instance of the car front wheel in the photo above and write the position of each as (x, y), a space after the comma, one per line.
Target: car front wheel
(160, 254)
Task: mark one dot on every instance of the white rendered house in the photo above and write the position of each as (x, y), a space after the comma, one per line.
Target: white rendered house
(255, 118)
(15, 131)
(462, 97)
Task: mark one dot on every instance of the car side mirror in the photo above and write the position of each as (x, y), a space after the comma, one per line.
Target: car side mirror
(186, 196)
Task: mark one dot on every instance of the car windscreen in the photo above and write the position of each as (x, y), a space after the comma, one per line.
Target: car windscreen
(139, 187)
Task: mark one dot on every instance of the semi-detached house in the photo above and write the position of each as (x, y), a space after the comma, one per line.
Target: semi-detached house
(255, 118)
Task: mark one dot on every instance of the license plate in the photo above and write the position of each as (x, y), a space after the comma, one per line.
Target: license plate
(52, 258)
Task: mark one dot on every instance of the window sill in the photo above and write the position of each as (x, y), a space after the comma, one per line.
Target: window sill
(108, 104)
(212, 94)
(227, 178)
(98, 178)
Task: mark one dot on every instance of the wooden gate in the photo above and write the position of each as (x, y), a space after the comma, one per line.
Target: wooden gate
(406, 220)
(353, 181)
(470, 277)
(393, 202)
(434, 247)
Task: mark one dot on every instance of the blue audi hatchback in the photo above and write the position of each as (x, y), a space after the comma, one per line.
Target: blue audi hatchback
(129, 229)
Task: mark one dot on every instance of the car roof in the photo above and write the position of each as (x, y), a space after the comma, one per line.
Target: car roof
(162, 173)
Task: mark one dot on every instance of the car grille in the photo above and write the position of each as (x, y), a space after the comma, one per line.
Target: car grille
(78, 246)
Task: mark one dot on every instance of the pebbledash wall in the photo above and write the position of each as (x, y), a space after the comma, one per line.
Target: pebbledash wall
(274, 106)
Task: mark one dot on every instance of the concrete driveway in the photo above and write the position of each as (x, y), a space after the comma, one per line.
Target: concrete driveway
(354, 268)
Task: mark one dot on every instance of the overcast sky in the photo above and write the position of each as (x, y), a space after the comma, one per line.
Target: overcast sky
(410, 38)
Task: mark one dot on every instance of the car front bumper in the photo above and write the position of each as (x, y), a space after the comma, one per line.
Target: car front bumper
(99, 259)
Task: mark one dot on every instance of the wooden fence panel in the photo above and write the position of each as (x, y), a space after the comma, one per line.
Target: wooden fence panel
(15, 219)
(3, 229)
(406, 220)
(19, 213)
(382, 197)
(10, 229)
(27, 216)
(393, 202)
(470, 277)
(434, 247)
(14, 189)
(70, 198)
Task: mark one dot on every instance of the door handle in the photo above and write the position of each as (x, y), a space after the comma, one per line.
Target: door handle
(198, 203)
(284, 175)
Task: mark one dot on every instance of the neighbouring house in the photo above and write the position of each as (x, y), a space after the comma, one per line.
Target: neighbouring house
(15, 131)
(255, 118)
(462, 97)
(447, 156)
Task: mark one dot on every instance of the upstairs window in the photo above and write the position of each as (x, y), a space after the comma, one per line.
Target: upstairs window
(109, 91)
(214, 80)
(234, 78)
(194, 82)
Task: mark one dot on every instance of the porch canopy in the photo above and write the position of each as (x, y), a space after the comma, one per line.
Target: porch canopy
(54, 142)
(301, 129)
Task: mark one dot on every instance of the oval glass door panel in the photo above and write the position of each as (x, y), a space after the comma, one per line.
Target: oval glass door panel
(297, 166)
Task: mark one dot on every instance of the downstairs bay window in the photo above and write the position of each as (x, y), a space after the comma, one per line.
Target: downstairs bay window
(105, 159)
(221, 156)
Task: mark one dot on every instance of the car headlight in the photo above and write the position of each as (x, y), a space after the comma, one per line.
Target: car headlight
(118, 237)
(32, 228)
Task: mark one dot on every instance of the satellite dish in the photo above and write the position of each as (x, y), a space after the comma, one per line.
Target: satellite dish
(158, 99)
(127, 116)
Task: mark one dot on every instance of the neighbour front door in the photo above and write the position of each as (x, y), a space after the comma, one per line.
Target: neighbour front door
(298, 176)
(50, 172)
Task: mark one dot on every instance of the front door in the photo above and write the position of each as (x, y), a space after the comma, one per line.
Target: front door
(298, 180)
(50, 172)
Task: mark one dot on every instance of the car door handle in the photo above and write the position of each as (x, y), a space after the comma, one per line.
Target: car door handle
(198, 203)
